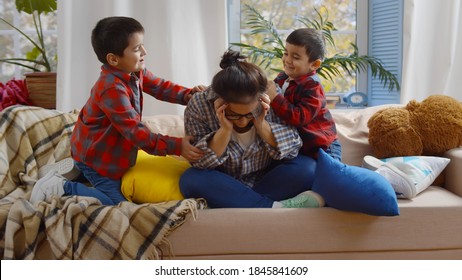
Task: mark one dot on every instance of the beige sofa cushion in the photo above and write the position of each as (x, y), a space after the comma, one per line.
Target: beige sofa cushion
(351, 128)
(353, 132)
(171, 125)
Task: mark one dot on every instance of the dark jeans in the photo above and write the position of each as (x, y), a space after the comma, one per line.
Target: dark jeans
(104, 189)
(335, 150)
(285, 179)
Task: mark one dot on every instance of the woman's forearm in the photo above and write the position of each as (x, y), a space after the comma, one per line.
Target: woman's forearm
(266, 134)
(220, 141)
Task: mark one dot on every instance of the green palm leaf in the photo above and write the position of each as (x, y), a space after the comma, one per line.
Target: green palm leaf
(273, 47)
(355, 62)
(322, 24)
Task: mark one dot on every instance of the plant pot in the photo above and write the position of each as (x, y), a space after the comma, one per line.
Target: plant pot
(42, 89)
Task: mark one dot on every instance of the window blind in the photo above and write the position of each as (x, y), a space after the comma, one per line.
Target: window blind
(385, 43)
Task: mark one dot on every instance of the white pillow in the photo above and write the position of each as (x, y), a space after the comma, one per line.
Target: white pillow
(422, 170)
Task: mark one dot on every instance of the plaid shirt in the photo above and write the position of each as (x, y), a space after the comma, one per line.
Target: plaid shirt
(303, 105)
(109, 130)
(246, 165)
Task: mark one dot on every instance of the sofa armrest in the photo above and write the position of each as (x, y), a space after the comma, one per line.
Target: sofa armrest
(453, 180)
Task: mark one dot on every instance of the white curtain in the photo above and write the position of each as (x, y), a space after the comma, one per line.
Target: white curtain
(432, 45)
(184, 40)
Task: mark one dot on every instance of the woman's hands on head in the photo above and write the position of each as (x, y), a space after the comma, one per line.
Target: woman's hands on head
(220, 106)
(261, 125)
(222, 136)
(264, 103)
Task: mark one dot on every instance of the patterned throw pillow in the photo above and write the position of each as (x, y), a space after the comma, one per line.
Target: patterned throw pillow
(421, 170)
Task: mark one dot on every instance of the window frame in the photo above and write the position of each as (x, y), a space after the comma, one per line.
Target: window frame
(362, 39)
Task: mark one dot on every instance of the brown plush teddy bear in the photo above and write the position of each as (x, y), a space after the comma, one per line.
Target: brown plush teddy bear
(428, 128)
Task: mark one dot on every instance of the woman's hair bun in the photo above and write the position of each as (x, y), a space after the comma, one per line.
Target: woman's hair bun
(238, 80)
(230, 58)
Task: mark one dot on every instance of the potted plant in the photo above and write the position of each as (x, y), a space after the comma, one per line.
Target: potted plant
(41, 83)
(273, 47)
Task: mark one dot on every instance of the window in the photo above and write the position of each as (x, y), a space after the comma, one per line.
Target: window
(352, 20)
(285, 14)
(15, 45)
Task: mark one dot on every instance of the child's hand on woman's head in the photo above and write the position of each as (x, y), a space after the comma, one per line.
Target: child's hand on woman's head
(190, 152)
(220, 106)
(271, 90)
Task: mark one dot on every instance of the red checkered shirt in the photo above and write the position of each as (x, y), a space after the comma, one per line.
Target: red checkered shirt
(109, 130)
(303, 105)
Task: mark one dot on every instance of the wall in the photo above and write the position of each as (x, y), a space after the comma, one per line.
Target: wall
(184, 40)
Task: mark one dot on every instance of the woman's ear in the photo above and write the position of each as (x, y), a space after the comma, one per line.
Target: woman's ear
(112, 59)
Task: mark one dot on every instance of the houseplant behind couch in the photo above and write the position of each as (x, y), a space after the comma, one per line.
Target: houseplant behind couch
(272, 47)
(41, 83)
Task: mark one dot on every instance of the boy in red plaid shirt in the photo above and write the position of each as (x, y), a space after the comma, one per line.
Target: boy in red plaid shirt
(301, 102)
(109, 131)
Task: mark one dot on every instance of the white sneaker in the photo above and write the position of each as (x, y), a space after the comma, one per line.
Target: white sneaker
(372, 163)
(402, 184)
(51, 184)
(64, 167)
(307, 199)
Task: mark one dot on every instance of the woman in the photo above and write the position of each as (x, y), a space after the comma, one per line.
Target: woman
(251, 157)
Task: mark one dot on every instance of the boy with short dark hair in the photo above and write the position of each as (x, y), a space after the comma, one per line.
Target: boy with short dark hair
(109, 131)
(301, 102)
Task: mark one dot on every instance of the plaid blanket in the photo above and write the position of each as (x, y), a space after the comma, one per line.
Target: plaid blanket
(73, 227)
(31, 137)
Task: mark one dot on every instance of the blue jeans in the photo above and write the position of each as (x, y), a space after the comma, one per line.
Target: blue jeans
(284, 179)
(335, 150)
(104, 189)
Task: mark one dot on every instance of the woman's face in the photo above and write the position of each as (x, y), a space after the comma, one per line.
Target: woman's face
(241, 115)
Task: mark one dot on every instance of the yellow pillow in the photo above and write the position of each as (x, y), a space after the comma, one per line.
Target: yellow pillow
(153, 179)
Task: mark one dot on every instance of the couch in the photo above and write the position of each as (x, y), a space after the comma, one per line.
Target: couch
(428, 227)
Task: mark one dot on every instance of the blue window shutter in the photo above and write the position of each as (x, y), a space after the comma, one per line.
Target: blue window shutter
(385, 43)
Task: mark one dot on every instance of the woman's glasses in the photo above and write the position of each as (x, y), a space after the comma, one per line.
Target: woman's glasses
(235, 117)
(254, 114)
